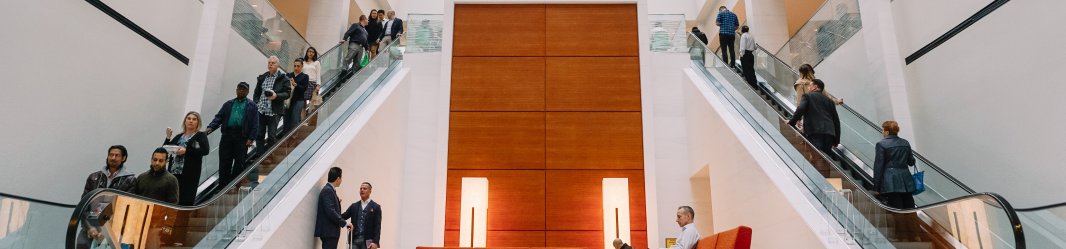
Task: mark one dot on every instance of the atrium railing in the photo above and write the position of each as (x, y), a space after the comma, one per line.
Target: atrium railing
(122, 218)
(424, 33)
(264, 27)
(667, 33)
(941, 205)
(30, 223)
(834, 23)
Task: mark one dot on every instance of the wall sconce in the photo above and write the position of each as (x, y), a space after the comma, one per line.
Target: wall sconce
(474, 206)
(615, 211)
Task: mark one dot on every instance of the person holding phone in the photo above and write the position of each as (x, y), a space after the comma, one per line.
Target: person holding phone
(300, 83)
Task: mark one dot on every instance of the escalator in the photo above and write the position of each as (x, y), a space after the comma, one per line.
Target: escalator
(948, 214)
(120, 218)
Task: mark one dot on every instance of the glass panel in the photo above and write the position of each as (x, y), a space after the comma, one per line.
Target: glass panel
(832, 25)
(144, 223)
(264, 27)
(668, 33)
(424, 33)
(28, 223)
(1045, 228)
(869, 222)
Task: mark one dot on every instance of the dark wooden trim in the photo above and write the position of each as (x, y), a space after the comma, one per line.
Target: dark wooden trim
(956, 30)
(137, 29)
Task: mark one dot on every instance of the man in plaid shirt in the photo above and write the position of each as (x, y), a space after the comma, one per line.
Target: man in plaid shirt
(271, 91)
(727, 33)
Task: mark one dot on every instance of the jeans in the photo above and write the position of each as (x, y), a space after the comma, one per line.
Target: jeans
(292, 120)
(268, 132)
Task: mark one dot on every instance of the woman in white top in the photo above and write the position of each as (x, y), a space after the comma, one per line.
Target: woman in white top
(747, 58)
(313, 70)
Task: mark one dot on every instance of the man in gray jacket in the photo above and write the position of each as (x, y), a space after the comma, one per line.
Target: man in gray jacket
(821, 125)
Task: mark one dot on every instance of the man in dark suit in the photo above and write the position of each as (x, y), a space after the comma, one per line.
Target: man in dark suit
(366, 218)
(393, 29)
(821, 124)
(328, 221)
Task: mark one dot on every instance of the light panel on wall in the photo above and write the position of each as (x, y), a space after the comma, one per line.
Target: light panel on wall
(474, 207)
(615, 211)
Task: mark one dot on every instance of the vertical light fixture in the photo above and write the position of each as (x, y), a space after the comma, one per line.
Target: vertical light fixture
(474, 207)
(615, 211)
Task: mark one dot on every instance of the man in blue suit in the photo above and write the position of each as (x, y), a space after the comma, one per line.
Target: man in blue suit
(366, 219)
(329, 222)
(393, 29)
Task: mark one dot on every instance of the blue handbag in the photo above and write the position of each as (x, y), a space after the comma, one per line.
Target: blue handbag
(919, 181)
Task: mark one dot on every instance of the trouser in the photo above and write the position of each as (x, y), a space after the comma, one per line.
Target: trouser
(358, 242)
(385, 41)
(355, 52)
(232, 151)
(748, 64)
(822, 142)
(268, 132)
(329, 242)
(898, 200)
(728, 54)
(296, 108)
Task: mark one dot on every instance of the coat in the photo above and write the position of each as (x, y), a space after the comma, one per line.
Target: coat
(328, 221)
(250, 124)
(123, 181)
(373, 220)
(893, 155)
(195, 149)
(397, 28)
(281, 88)
(819, 116)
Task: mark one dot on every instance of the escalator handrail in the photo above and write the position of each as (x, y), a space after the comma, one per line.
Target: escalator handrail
(50, 203)
(875, 127)
(1012, 216)
(72, 227)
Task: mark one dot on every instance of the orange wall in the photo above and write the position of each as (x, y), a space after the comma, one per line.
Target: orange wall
(798, 12)
(545, 104)
(294, 11)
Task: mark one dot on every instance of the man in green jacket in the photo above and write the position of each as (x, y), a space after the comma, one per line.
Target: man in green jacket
(157, 183)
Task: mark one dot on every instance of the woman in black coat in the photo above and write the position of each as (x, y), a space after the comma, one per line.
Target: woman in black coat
(186, 165)
(375, 29)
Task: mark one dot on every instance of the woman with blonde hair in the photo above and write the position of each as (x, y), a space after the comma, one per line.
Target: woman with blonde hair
(807, 78)
(189, 157)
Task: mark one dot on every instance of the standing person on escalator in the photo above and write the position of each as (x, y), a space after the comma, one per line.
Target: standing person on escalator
(727, 34)
(356, 39)
(747, 58)
(892, 179)
(821, 124)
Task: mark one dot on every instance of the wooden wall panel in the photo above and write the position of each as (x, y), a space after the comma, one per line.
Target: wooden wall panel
(497, 84)
(594, 140)
(582, 191)
(516, 199)
(501, 239)
(593, 84)
(496, 140)
(591, 239)
(499, 30)
(591, 30)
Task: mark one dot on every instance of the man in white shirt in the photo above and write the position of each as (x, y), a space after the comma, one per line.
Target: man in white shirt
(689, 236)
(393, 29)
(747, 58)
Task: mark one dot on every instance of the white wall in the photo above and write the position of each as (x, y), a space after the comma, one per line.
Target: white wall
(172, 21)
(78, 82)
(664, 124)
(243, 62)
(987, 107)
(847, 74)
(420, 222)
(920, 22)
